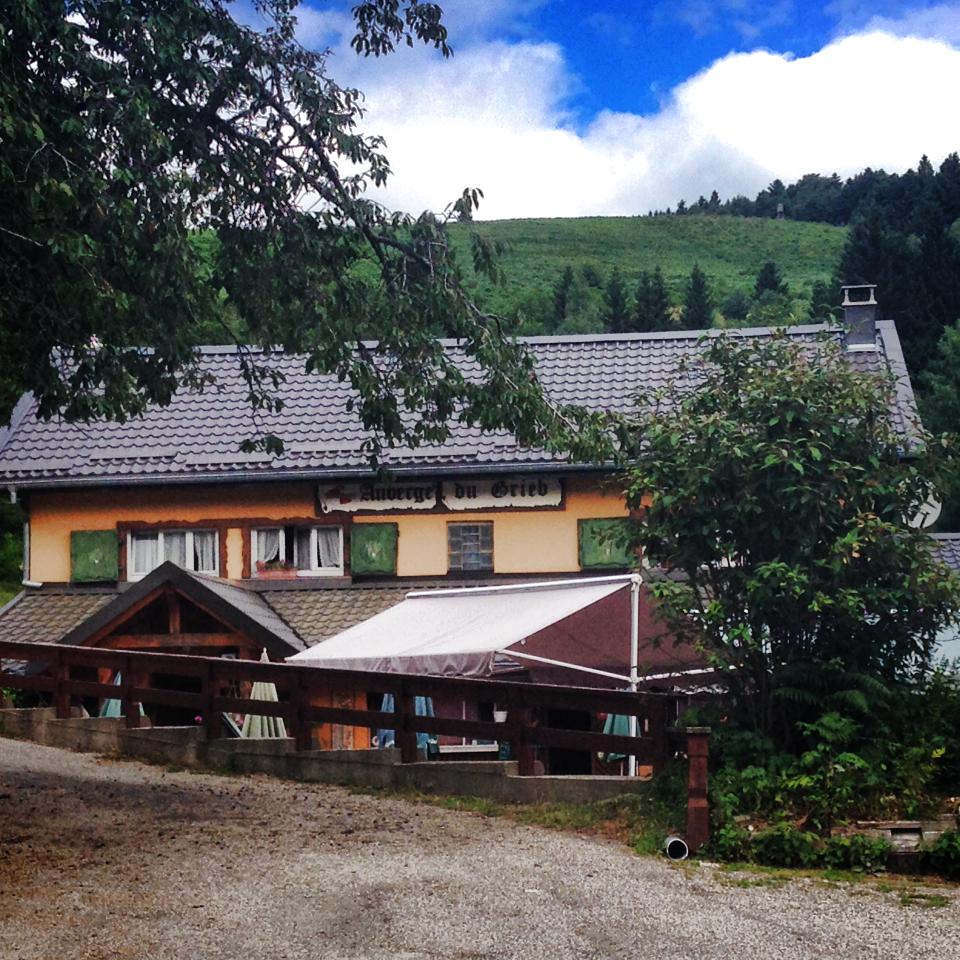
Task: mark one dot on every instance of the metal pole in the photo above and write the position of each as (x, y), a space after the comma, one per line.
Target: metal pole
(635, 581)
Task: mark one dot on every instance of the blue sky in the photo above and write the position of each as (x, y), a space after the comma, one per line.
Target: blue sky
(570, 107)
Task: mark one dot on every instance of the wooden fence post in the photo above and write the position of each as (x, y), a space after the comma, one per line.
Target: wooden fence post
(61, 696)
(129, 706)
(210, 688)
(520, 719)
(299, 700)
(698, 815)
(406, 735)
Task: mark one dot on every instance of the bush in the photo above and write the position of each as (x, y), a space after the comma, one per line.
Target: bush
(863, 854)
(731, 843)
(783, 845)
(944, 855)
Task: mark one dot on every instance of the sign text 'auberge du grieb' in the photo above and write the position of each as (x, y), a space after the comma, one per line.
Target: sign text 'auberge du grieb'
(483, 494)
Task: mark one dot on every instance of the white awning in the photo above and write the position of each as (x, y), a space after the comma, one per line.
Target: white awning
(457, 632)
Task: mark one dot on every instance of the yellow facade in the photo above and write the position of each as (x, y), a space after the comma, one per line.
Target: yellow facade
(525, 541)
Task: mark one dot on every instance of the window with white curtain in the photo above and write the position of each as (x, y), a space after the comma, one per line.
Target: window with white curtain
(311, 551)
(190, 549)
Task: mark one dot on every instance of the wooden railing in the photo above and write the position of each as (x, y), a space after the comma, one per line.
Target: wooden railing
(50, 669)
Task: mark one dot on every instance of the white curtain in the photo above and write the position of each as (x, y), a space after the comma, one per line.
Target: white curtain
(175, 547)
(144, 552)
(328, 546)
(268, 545)
(301, 552)
(205, 551)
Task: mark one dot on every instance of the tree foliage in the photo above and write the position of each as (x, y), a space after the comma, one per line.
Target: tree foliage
(616, 312)
(778, 487)
(129, 128)
(697, 303)
(652, 303)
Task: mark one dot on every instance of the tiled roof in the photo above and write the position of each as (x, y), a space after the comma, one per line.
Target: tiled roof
(198, 435)
(45, 616)
(947, 548)
(319, 614)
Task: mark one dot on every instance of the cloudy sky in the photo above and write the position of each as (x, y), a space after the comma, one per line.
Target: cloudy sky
(604, 107)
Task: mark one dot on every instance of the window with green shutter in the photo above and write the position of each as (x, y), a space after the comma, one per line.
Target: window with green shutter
(93, 555)
(604, 544)
(373, 548)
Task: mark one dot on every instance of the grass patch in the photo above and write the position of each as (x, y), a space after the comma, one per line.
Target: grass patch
(730, 250)
(640, 821)
(8, 590)
(925, 900)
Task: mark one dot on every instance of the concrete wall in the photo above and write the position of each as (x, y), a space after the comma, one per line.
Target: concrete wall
(185, 747)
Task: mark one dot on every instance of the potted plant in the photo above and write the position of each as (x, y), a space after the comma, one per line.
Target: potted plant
(275, 570)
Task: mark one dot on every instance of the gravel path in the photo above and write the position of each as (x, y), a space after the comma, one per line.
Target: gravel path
(105, 859)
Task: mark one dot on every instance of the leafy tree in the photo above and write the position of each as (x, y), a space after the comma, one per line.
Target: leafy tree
(697, 304)
(769, 278)
(780, 494)
(616, 312)
(127, 126)
(652, 303)
(736, 306)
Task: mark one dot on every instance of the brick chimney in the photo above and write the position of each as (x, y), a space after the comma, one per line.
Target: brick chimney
(860, 316)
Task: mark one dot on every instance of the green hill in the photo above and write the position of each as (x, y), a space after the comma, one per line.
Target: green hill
(730, 250)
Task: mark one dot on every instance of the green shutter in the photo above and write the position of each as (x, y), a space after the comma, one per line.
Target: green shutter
(603, 543)
(93, 555)
(373, 548)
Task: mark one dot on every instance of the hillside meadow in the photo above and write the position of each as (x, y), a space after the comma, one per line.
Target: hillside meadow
(730, 250)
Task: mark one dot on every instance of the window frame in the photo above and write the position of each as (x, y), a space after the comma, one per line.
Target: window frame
(133, 575)
(471, 570)
(337, 571)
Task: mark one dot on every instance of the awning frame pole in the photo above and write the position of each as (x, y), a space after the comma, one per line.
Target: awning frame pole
(635, 581)
(513, 654)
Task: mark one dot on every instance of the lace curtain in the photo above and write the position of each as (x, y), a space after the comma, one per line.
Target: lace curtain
(205, 551)
(144, 552)
(175, 547)
(268, 545)
(328, 547)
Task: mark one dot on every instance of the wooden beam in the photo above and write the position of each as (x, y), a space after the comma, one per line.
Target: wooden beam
(157, 641)
(173, 611)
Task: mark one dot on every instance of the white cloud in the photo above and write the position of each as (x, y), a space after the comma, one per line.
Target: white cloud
(494, 116)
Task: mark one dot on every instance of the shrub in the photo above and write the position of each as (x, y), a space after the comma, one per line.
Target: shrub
(863, 854)
(731, 843)
(783, 845)
(944, 855)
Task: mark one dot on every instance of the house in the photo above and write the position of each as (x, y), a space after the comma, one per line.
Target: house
(159, 534)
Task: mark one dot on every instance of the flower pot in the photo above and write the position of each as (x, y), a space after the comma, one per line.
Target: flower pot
(277, 573)
(499, 716)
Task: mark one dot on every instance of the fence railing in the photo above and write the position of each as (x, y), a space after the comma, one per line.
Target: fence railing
(52, 669)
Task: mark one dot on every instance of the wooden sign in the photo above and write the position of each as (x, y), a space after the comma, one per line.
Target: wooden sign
(375, 497)
(513, 491)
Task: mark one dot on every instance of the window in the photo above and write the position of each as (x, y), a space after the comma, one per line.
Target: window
(190, 549)
(470, 546)
(311, 551)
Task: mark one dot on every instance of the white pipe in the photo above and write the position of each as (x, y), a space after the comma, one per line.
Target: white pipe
(635, 581)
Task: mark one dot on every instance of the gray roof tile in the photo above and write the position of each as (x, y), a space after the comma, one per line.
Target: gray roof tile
(197, 436)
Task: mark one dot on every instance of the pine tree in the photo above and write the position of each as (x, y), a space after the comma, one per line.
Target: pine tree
(770, 278)
(616, 313)
(561, 296)
(698, 304)
(823, 303)
(651, 303)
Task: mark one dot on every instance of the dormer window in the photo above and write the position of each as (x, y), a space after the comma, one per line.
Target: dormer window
(311, 551)
(190, 549)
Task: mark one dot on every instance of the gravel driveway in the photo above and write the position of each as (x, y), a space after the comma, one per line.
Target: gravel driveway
(106, 859)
